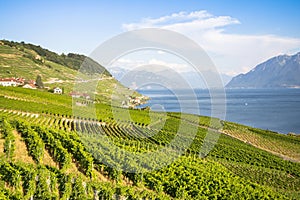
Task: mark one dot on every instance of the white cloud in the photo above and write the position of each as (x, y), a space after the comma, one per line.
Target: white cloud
(232, 53)
(135, 64)
(160, 52)
(184, 22)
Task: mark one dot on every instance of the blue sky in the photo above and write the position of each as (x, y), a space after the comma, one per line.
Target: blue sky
(80, 26)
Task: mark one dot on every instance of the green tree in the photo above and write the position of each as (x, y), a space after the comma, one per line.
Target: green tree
(39, 83)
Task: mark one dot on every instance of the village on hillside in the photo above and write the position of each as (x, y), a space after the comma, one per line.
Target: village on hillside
(34, 84)
(14, 82)
(29, 84)
(130, 102)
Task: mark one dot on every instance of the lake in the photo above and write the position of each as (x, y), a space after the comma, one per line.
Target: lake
(272, 109)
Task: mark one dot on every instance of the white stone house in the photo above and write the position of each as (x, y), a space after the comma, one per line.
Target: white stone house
(57, 90)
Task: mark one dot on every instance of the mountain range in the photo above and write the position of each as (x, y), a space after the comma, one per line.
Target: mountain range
(168, 77)
(278, 72)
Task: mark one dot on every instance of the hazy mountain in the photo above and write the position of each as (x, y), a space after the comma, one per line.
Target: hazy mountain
(198, 82)
(278, 72)
(163, 76)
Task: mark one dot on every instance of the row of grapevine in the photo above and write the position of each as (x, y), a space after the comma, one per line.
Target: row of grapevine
(30, 182)
(76, 148)
(12, 177)
(7, 132)
(33, 141)
(55, 148)
(81, 124)
(194, 179)
(275, 178)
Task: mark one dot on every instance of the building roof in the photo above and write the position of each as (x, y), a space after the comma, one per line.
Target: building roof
(29, 86)
(17, 80)
(8, 80)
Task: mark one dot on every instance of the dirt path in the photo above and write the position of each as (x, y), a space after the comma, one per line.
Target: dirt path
(2, 140)
(284, 157)
(21, 153)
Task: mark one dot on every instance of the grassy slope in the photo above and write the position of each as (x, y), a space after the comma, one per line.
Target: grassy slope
(15, 63)
(240, 158)
(286, 147)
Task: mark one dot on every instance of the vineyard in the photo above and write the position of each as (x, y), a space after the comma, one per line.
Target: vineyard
(92, 156)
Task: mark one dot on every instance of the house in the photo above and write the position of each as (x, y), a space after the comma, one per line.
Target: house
(86, 96)
(9, 82)
(57, 90)
(12, 81)
(29, 86)
(75, 94)
(135, 100)
(80, 95)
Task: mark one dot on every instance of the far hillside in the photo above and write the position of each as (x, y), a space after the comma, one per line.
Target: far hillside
(27, 61)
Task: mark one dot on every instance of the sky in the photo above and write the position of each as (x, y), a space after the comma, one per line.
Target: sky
(237, 35)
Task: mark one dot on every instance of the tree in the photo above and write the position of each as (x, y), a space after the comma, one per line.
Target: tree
(39, 83)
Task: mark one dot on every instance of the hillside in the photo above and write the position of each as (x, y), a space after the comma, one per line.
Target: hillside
(41, 55)
(23, 60)
(278, 72)
(65, 157)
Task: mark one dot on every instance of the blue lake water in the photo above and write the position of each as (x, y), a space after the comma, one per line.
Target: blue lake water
(273, 109)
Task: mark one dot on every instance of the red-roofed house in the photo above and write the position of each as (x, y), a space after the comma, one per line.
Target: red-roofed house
(8, 82)
(78, 95)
